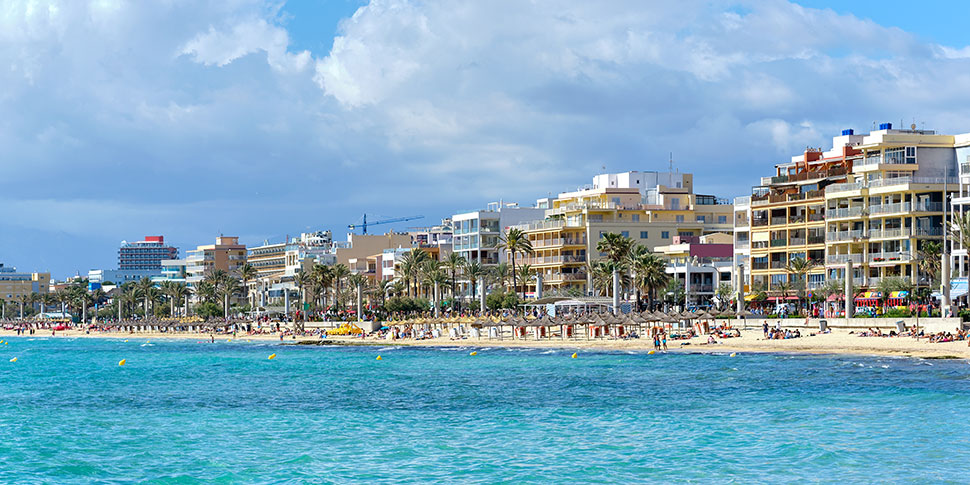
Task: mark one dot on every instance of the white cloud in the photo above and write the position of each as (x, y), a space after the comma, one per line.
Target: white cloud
(244, 38)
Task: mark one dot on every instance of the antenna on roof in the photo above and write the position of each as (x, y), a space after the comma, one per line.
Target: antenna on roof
(670, 162)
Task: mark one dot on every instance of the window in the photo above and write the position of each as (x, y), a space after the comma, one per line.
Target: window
(625, 233)
(665, 234)
(722, 219)
(635, 217)
(910, 154)
(643, 234)
(702, 219)
(680, 218)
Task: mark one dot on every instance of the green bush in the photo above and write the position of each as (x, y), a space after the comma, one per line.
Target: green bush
(500, 300)
(406, 305)
(897, 313)
(964, 315)
(208, 309)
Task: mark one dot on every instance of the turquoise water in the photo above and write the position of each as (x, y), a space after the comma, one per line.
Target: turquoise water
(185, 412)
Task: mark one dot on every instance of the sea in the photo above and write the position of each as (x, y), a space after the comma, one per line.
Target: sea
(188, 411)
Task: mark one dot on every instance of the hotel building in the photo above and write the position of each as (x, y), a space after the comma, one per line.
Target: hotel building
(874, 200)
(226, 255)
(652, 208)
(14, 284)
(145, 255)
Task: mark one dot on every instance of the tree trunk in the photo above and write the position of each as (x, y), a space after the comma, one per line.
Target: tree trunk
(616, 292)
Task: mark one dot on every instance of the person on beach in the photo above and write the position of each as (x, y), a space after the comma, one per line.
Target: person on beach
(765, 328)
(664, 340)
(656, 342)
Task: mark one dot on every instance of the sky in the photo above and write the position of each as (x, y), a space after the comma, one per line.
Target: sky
(120, 119)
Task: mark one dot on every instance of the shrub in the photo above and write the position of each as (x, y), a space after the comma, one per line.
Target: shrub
(208, 310)
(897, 313)
(500, 300)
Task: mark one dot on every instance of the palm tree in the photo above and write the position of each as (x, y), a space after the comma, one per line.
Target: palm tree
(515, 241)
(959, 230)
(303, 281)
(383, 288)
(358, 281)
(206, 290)
(474, 271)
(724, 292)
(526, 273)
(175, 292)
(339, 272)
(636, 260)
(616, 247)
(143, 286)
(26, 299)
(230, 287)
(651, 275)
(928, 259)
(799, 268)
(455, 263)
(129, 296)
(501, 274)
(433, 276)
(410, 265)
(247, 272)
(321, 281)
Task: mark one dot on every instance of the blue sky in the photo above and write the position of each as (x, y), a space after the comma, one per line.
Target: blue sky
(120, 119)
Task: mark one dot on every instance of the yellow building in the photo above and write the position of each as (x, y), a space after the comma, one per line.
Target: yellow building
(874, 200)
(13, 285)
(651, 215)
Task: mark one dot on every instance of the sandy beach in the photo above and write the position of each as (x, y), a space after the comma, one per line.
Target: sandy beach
(837, 342)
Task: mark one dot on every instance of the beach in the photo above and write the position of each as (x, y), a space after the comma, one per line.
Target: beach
(837, 342)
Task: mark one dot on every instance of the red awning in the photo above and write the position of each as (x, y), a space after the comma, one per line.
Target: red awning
(834, 296)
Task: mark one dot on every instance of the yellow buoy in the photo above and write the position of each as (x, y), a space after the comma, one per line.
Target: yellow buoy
(473, 353)
(378, 357)
(122, 361)
(732, 354)
(652, 352)
(272, 356)
(13, 359)
(575, 355)
(126, 340)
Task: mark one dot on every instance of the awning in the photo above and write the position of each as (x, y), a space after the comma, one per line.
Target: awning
(899, 294)
(750, 297)
(781, 298)
(834, 296)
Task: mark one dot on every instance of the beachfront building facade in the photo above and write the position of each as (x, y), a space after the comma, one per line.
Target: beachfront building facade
(227, 254)
(118, 277)
(701, 264)
(565, 240)
(14, 284)
(875, 200)
(147, 254)
(476, 234)
(277, 264)
(960, 207)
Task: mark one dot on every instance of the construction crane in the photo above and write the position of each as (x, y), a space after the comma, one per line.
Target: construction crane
(363, 225)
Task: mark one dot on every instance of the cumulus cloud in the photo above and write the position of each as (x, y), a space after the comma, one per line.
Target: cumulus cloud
(208, 118)
(244, 38)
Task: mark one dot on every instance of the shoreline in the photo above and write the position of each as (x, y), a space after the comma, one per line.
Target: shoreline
(835, 343)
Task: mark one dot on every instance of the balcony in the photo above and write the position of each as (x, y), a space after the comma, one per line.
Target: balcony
(847, 212)
(701, 288)
(742, 201)
(847, 187)
(816, 217)
(928, 231)
(796, 241)
(741, 245)
(845, 235)
(891, 233)
(928, 207)
(779, 265)
(890, 257)
(756, 222)
(888, 182)
(759, 265)
(775, 243)
(901, 207)
(843, 258)
(816, 239)
(779, 221)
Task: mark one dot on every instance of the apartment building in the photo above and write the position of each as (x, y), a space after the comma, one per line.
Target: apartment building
(14, 284)
(874, 200)
(652, 215)
(226, 255)
(476, 234)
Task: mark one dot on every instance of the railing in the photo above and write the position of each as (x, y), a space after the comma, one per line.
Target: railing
(816, 239)
(845, 235)
(886, 182)
(741, 244)
(844, 212)
(779, 221)
(742, 200)
(816, 217)
(858, 281)
(889, 208)
(928, 207)
(777, 243)
(842, 258)
(890, 256)
(759, 265)
(797, 241)
(929, 231)
(796, 219)
(545, 243)
(779, 265)
(759, 222)
(845, 187)
(701, 288)
(898, 232)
